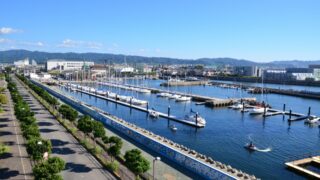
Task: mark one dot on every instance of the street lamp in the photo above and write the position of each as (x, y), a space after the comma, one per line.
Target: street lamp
(154, 161)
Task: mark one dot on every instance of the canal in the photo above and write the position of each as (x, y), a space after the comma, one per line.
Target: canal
(227, 130)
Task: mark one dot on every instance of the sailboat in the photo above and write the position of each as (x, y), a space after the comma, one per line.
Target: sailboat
(260, 109)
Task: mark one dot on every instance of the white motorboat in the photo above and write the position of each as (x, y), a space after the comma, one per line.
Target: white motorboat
(183, 98)
(153, 113)
(238, 106)
(258, 110)
(73, 89)
(174, 96)
(100, 92)
(163, 95)
(312, 119)
(112, 95)
(173, 128)
(195, 118)
(92, 90)
(144, 91)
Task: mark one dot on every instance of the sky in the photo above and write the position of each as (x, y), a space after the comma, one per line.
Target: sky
(258, 30)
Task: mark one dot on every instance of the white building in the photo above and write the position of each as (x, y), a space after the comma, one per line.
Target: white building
(63, 65)
(123, 69)
(41, 77)
(21, 63)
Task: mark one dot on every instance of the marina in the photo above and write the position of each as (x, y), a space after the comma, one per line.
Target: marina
(270, 131)
(167, 116)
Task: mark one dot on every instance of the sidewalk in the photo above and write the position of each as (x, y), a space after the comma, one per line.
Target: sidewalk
(79, 163)
(15, 164)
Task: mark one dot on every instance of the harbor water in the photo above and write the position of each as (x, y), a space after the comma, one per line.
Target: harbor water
(227, 131)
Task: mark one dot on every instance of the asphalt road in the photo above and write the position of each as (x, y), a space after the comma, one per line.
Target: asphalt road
(79, 163)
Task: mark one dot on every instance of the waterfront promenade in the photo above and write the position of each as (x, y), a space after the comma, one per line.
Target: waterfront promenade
(79, 163)
(15, 164)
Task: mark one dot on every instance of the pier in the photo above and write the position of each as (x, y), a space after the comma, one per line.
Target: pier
(300, 166)
(167, 116)
(184, 83)
(209, 101)
(258, 90)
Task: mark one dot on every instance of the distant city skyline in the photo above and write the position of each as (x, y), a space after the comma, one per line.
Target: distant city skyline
(260, 31)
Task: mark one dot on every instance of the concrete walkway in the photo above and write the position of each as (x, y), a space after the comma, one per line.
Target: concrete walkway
(15, 164)
(79, 163)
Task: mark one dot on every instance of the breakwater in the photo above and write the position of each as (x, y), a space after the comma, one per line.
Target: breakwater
(288, 92)
(185, 157)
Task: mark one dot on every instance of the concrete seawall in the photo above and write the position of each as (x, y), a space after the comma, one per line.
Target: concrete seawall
(189, 159)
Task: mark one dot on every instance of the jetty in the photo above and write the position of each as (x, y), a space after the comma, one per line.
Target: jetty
(184, 83)
(140, 108)
(209, 101)
(258, 90)
(301, 166)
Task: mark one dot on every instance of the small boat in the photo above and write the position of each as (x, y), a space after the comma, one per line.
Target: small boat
(92, 90)
(103, 93)
(250, 147)
(195, 118)
(174, 96)
(153, 113)
(238, 106)
(163, 94)
(144, 91)
(258, 110)
(173, 128)
(183, 98)
(312, 119)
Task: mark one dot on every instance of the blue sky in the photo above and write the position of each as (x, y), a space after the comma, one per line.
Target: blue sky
(259, 30)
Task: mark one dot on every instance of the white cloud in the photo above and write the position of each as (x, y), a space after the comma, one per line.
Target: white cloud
(7, 30)
(38, 44)
(69, 43)
(3, 40)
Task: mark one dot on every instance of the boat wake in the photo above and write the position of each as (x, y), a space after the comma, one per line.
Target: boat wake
(263, 150)
(256, 148)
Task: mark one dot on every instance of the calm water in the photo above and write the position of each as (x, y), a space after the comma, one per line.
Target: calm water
(227, 130)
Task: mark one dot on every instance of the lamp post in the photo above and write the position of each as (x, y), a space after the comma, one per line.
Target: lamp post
(154, 163)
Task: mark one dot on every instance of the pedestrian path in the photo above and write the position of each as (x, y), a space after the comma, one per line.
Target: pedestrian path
(79, 163)
(14, 164)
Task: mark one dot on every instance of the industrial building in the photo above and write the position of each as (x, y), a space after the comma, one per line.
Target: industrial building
(64, 65)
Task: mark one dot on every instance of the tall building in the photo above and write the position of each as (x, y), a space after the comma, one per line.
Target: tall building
(64, 65)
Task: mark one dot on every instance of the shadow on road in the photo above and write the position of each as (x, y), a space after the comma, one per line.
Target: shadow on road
(58, 142)
(5, 133)
(45, 124)
(5, 173)
(79, 168)
(63, 151)
(5, 156)
(46, 130)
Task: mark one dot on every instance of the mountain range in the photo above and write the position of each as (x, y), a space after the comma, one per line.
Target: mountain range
(41, 57)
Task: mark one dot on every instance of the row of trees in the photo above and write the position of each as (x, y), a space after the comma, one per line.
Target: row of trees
(41, 92)
(133, 158)
(39, 149)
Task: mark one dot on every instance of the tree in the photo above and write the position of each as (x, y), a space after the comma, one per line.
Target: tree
(49, 169)
(68, 112)
(114, 150)
(105, 139)
(98, 129)
(36, 147)
(3, 149)
(135, 162)
(85, 124)
(56, 164)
